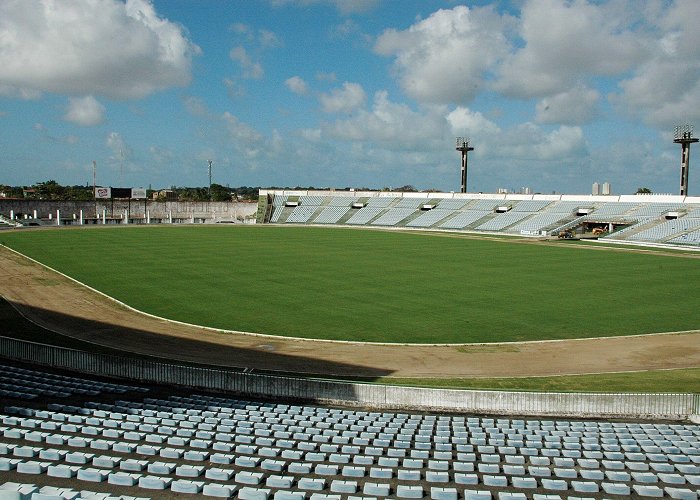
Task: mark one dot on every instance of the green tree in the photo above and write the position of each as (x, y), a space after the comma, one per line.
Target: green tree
(11, 191)
(220, 193)
(643, 190)
(79, 193)
(50, 190)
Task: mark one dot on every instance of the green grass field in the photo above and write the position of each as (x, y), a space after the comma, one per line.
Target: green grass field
(380, 286)
(669, 381)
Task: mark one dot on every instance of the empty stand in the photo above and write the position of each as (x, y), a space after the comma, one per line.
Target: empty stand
(222, 446)
(636, 221)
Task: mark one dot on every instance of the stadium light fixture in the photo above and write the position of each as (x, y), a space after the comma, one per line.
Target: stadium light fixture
(462, 145)
(683, 135)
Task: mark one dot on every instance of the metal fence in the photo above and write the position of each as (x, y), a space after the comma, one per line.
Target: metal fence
(650, 406)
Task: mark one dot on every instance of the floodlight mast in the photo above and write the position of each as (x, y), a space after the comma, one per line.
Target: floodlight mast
(683, 135)
(464, 147)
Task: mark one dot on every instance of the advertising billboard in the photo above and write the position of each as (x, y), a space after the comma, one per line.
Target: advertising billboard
(103, 193)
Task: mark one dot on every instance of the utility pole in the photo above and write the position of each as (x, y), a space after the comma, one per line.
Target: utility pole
(94, 186)
(210, 162)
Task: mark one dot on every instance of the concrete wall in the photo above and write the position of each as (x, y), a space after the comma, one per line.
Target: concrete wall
(136, 209)
(644, 406)
(646, 198)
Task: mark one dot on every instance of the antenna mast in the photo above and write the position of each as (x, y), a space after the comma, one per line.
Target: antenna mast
(210, 162)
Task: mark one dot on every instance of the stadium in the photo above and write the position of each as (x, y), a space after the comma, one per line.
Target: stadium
(294, 339)
(323, 365)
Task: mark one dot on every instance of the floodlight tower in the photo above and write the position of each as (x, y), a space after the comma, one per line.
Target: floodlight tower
(464, 147)
(683, 135)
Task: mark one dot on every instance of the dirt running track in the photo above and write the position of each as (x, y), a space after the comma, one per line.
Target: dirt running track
(66, 307)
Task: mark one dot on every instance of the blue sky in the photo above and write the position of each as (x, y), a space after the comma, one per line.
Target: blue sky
(553, 94)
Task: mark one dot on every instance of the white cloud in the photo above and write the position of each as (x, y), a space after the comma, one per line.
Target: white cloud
(346, 99)
(241, 29)
(665, 89)
(311, 135)
(85, 111)
(572, 107)
(245, 138)
(392, 126)
(530, 142)
(20, 93)
(90, 47)
(566, 41)
(297, 85)
(268, 39)
(354, 6)
(251, 69)
(446, 57)
(345, 7)
(264, 38)
(119, 148)
(233, 88)
(196, 106)
(348, 29)
(161, 155)
(526, 142)
(326, 77)
(465, 122)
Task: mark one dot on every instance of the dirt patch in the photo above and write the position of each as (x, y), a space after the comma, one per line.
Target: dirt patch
(63, 306)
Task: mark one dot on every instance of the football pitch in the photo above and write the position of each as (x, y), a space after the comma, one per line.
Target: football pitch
(376, 286)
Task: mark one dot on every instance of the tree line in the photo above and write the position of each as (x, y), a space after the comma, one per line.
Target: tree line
(52, 190)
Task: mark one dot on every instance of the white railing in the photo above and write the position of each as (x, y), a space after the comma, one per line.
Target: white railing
(644, 406)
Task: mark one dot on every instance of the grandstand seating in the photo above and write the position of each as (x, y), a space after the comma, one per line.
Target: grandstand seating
(691, 238)
(364, 215)
(538, 222)
(411, 202)
(464, 219)
(614, 208)
(380, 201)
(393, 216)
(638, 221)
(430, 217)
(694, 213)
(302, 213)
(331, 214)
(311, 200)
(503, 220)
(276, 213)
(531, 205)
(452, 204)
(664, 230)
(142, 446)
(337, 201)
(565, 207)
(654, 209)
(487, 205)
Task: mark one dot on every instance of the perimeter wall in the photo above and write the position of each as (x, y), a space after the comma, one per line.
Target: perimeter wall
(210, 210)
(596, 405)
